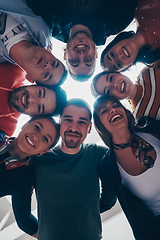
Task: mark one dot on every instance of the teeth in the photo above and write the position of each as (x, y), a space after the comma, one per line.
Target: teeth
(23, 100)
(122, 87)
(125, 51)
(116, 117)
(81, 46)
(30, 142)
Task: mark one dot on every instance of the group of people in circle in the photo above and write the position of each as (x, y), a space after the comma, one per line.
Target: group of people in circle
(66, 179)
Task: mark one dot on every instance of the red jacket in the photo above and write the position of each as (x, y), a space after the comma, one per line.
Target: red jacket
(11, 77)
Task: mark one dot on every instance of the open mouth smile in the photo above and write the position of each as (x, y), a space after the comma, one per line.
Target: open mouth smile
(115, 118)
(126, 53)
(81, 47)
(24, 99)
(122, 87)
(30, 142)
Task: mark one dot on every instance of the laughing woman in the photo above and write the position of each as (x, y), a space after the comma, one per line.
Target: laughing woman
(132, 165)
(143, 46)
(16, 177)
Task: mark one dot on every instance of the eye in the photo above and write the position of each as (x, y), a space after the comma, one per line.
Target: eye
(110, 78)
(74, 61)
(115, 105)
(112, 54)
(108, 92)
(104, 111)
(37, 127)
(119, 65)
(40, 93)
(88, 60)
(82, 122)
(45, 139)
(45, 75)
(68, 120)
(39, 108)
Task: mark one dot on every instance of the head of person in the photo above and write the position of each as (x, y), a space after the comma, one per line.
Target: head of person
(38, 135)
(80, 55)
(110, 116)
(114, 84)
(38, 100)
(121, 53)
(75, 124)
(43, 67)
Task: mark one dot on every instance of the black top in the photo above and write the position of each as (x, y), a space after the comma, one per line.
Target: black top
(102, 17)
(18, 183)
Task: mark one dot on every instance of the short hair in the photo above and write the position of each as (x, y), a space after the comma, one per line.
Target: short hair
(56, 125)
(95, 79)
(80, 103)
(64, 76)
(61, 100)
(118, 38)
(102, 131)
(81, 78)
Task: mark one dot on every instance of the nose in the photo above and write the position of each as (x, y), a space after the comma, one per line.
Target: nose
(113, 110)
(47, 65)
(32, 99)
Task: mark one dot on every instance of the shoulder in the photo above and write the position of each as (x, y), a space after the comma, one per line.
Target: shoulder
(95, 148)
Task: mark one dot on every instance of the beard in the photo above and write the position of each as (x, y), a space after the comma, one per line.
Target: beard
(13, 99)
(72, 143)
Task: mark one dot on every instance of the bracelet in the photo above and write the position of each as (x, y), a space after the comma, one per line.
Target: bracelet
(121, 146)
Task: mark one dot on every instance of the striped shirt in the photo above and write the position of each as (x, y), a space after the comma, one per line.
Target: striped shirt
(147, 99)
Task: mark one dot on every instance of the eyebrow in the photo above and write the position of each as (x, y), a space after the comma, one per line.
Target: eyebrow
(85, 119)
(44, 93)
(67, 116)
(106, 106)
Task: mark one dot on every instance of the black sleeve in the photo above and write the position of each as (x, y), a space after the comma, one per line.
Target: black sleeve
(2, 135)
(148, 125)
(21, 204)
(108, 195)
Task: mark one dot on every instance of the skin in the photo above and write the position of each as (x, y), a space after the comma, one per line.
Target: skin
(40, 65)
(80, 53)
(117, 85)
(35, 137)
(75, 125)
(121, 55)
(113, 117)
(33, 100)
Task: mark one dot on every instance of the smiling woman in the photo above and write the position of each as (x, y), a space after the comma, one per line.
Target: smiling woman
(131, 163)
(37, 136)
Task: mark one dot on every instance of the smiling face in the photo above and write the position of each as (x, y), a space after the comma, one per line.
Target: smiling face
(80, 54)
(112, 116)
(41, 66)
(116, 85)
(36, 136)
(33, 100)
(121, 55)
(75, 124)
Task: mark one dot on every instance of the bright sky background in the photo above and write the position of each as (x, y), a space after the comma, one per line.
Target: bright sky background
(82, 90)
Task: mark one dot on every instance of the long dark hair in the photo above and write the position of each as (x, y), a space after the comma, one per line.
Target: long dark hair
(145, 55)
(102, 131)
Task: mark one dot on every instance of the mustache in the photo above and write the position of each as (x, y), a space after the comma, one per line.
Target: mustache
(75, 132)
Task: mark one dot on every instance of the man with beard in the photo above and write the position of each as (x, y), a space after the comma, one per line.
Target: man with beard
(15, 98)
(67, 182)
(83, 25)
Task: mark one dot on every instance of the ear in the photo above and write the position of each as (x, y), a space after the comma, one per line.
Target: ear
(64, 56)
(90, 127)
(29, 78)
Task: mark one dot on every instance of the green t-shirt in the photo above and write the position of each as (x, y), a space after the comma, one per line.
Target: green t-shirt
(67, 188)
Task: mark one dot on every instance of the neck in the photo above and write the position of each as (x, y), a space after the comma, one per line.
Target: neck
(78, 28)
(67, 150)
(122, 136)
(18, 50)
(133, 93)
(16, 151)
